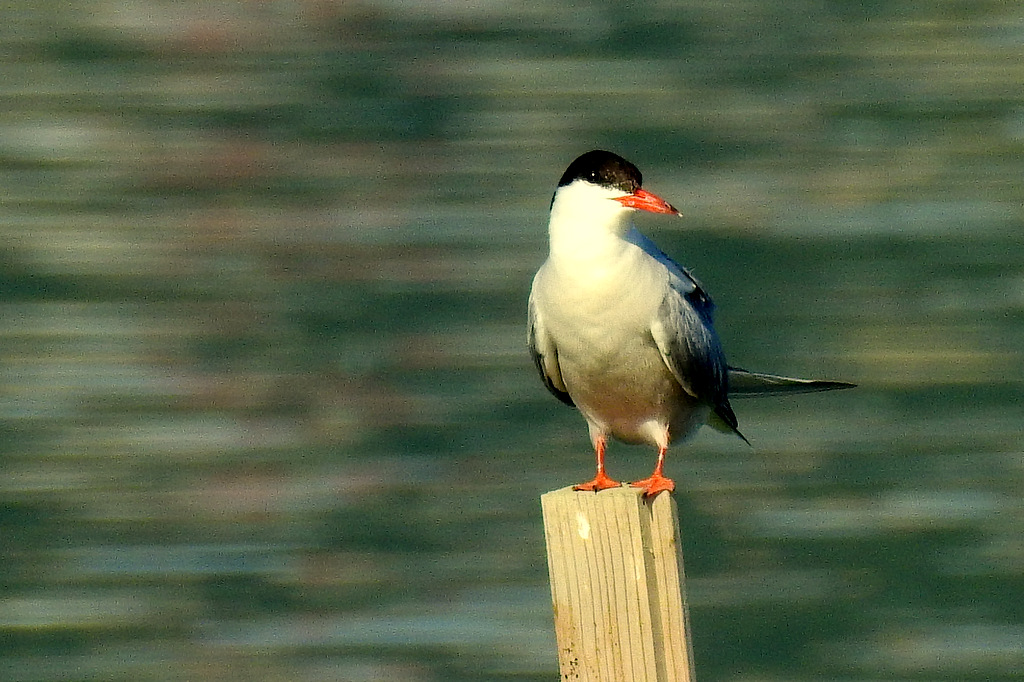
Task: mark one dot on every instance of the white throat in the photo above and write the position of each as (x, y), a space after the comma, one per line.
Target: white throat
(586, 223)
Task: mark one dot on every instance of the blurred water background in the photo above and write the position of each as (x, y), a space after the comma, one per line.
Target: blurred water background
(265, 407)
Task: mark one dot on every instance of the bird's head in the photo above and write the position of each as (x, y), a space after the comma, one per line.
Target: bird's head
(604, 187)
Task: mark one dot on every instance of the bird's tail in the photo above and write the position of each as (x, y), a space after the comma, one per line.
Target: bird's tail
(744, 384)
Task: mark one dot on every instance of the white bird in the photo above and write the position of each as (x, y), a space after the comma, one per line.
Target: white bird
(623, 333)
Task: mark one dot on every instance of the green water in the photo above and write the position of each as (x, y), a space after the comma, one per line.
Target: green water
(266, 411)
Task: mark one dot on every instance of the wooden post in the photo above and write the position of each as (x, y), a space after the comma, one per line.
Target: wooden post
(617, 586)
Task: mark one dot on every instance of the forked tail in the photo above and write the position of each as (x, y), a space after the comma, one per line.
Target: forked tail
(744, 384)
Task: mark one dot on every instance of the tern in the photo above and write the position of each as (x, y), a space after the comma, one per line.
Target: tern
(620, 331)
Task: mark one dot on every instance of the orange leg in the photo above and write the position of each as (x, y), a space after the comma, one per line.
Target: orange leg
(601, 480)
(657, 482)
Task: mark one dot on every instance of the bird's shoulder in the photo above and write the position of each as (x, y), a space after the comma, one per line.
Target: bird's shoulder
(682, 282)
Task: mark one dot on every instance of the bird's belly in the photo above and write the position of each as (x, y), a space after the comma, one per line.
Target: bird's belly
(607, 355)
(630, 394)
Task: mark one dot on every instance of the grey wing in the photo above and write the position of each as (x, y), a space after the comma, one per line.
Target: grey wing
(545, 355)
(690, 347)
(682, 280)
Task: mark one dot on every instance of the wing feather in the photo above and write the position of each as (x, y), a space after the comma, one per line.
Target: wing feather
(545, 355)
(686, 338)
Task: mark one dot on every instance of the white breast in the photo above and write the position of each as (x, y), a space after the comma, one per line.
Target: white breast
(599, 312)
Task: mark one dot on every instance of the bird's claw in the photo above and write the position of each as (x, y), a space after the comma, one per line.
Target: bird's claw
(654, 484)
(600, 482)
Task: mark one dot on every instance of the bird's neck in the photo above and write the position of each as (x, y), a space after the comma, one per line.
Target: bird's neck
(576, 236)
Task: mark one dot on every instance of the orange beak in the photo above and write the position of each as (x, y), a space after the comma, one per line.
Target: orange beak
(642, 200)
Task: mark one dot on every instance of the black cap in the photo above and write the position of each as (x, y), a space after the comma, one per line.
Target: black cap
(605, 169)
